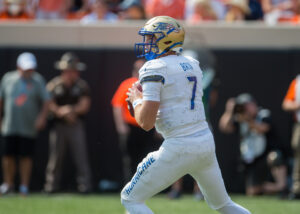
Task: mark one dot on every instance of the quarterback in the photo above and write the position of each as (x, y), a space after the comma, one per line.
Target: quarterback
(171, 99)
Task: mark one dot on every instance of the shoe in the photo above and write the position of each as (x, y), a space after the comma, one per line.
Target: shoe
(174, 194)
(24, 191)
(49, 189)
(5, 189)
(198, 196)
(294, 196)
(84, 189)
(284, 194)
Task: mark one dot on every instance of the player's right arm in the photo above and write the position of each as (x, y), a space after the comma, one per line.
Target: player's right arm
(145, 114)
(152, 78)
(226, 123)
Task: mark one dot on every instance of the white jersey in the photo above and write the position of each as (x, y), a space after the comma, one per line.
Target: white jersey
(176, 82)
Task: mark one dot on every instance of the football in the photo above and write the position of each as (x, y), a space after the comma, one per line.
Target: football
(130, 108)
(139, 86)
(129, 104)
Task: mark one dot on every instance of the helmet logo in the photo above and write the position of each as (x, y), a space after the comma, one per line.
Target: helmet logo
(166, 27)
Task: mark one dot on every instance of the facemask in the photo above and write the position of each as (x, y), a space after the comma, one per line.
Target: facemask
(14, 9)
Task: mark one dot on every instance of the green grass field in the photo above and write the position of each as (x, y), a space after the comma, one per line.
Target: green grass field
(110, 204)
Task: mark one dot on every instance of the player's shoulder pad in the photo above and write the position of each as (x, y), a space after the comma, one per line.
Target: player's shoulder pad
(192, 60)
(153, 71)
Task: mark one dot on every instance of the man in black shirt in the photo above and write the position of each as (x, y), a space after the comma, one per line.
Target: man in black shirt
(257, 139)
(70, 102)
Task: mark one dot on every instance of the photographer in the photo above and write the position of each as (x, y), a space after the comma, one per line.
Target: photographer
(256, 141)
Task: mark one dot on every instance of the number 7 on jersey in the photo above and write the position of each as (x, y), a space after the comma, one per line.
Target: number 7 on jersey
(193, 79)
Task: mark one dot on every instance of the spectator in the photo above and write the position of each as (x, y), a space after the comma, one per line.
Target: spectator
(14, 10)
(132, 10)
(78, 9)
(256, 140)
(134, 141)
(256, 12)
(70, 102)
(99, 11)
(237, 10)
(24, 101)
(291, 103)
(275, 10)
(79, 5)
(46, 9)
(216, 7)
(173, 8)
(295, 18)
(203, 11)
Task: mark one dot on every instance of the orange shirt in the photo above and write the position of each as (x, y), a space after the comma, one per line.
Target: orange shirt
(51, 5)
(76, 15)
(173, 8)
(5, 16)
(291, 94)
(119, 99)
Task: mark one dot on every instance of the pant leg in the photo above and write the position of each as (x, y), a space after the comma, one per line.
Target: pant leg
(57, 150)
(296, 150)
(138, 145)
(156, 172)
(77, 142)
(211, 184)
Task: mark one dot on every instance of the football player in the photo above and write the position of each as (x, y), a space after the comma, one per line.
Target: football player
(171, 99)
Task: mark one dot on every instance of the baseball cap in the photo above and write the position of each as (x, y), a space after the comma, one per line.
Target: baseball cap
(244, 98)
(26, 61)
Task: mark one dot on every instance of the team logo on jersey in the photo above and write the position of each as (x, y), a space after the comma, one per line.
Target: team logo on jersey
(186, 66)
(139, 172)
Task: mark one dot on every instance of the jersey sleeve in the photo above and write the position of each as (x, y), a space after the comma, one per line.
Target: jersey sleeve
(291, 93)
(152, 77)
(43, 92)
(2, 86)
(51, 87)
(153, 71)
(151, 91)
(85, 89)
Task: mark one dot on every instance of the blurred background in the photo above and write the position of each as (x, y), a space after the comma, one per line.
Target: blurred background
(252, 46)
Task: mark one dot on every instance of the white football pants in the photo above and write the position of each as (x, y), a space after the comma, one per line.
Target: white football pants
(194, 155)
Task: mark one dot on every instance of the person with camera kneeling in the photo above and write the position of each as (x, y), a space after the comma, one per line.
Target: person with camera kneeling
(257, 139)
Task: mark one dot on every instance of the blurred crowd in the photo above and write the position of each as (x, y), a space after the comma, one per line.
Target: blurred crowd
(192, 11)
